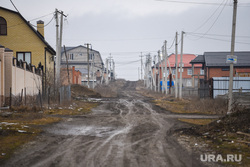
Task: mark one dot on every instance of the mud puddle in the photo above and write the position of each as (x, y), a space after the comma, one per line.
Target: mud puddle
(84, 130)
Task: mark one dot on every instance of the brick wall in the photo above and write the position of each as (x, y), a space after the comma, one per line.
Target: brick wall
(218, 72)
(74, 76)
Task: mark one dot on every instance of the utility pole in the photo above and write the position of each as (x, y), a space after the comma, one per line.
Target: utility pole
(114, 69)
(141, 65)
(155, 72)
(107, 71)
(88, 61)
(230, 91)
(58, 62)
(58, 44)
(92, 69)
(180, 85)
(166, 69)
(162, 77)
(176, 65)
(159, 60)
(110, 66)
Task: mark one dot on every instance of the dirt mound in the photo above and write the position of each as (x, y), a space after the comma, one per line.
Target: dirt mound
(79, 91)
(238, 121)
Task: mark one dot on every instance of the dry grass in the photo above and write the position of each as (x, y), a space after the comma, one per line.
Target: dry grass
(20, 129)
(81, 108)
(198, 121)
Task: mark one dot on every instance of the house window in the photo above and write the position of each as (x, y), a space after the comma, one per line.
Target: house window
(3, 26)
(91, 56)
(182, 65)
(225, 69)
(180, 70)
(201, 72)
(189, 71)
(173, 71)
(24, 56)
(71, 56)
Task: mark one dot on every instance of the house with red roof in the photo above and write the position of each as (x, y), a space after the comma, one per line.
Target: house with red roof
(189, 78)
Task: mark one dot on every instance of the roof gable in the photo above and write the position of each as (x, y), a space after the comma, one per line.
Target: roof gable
(186, 59)
(49, 48)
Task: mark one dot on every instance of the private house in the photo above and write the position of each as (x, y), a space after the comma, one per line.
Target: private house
(78, 57)
(71, 76)
(28, 44)
(214, 64)
(17, 77)
(187, 69)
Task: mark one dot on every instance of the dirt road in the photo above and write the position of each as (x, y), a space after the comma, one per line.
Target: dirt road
(125, 131)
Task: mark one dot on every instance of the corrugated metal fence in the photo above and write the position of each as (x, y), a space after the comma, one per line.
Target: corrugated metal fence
(220, 85)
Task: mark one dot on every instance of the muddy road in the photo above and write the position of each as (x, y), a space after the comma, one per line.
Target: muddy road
(122, 132)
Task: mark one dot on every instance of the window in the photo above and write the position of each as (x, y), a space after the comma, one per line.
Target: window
(173, 71)
(225, 69)
(3, 26)
(91, 56)
(71, 56)
(182, 65)
(179, 69)
(201, 72)
(24, 56)
(189, 71)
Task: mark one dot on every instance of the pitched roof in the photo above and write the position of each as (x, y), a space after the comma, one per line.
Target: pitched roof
(49, 48)
(186, 59)
(68, 48)
(218, 59)
(199, 59)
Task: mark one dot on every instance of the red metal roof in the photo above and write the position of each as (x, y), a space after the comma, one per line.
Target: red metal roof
(185, 59)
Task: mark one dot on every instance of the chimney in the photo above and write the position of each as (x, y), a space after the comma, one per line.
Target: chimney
(40, 27)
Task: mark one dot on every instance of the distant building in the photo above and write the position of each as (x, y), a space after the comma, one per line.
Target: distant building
(187, 72)
(70, 76)
(77, 57)
(214, 64)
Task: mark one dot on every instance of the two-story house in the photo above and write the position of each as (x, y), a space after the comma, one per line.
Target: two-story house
(78, 57)
(187, 69)
(215, 64)
(28, 44)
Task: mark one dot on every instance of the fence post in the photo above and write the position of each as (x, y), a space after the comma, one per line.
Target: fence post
(48, 97)
(40, 99)
(21, 100)
(10, 97)
(25, 96)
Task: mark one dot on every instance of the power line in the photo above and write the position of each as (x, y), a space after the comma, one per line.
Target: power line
(202, 3)
(238, 36)
(213, 22)
(45, 24)
(208, 17)
(220, 39)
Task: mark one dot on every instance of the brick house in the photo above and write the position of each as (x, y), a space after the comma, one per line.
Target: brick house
(71, 76)
(214, 64)
(17, 77)
(187, 69)
(27, 43)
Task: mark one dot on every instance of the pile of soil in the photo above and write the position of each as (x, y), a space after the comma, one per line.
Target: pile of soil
(79, 91)
(237, 121)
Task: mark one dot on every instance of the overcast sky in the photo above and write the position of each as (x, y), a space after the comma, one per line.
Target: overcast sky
(125, 28)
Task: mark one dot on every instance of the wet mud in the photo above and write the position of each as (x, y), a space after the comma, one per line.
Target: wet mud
(122, 132)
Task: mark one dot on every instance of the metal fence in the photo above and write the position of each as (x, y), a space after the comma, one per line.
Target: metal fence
(64, 93)
(221, 84)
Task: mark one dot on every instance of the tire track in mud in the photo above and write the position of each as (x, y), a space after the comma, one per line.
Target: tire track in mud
(122, 132)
